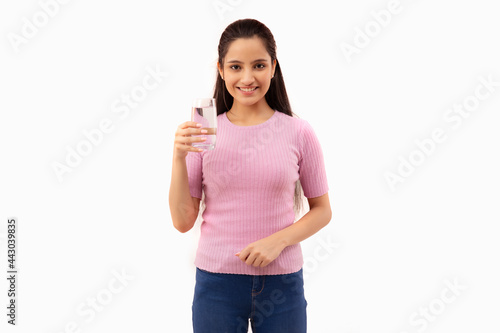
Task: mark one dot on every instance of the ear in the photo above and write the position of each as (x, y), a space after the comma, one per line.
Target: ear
(274, 66)
(221, 72)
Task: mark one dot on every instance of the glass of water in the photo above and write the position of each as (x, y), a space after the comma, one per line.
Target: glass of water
(204, 111)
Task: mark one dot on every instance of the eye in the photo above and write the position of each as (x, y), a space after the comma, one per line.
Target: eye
(261, 66)
(233, 67)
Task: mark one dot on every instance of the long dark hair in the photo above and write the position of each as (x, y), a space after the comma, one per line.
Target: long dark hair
(276, 96)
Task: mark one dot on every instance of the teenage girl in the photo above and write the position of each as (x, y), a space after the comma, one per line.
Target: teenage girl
(249, 261)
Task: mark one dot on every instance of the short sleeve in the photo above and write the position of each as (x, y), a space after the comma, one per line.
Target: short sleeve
(194, 164)
(312, 172)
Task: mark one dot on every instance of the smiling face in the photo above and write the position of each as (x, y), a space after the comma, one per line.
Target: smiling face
(247, 71)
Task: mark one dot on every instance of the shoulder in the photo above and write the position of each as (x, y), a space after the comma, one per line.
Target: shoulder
(299, 126)
(292, 122)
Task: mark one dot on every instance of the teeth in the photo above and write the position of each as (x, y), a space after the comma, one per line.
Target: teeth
(248, 90)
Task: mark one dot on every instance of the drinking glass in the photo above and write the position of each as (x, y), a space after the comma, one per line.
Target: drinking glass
(204, 111)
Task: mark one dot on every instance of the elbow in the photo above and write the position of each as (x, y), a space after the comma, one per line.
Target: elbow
(183, 219)
(182, 230)
(324, 215)
(183, 227)
(328, 215)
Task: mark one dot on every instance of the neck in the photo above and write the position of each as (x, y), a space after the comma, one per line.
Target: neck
(249, 112)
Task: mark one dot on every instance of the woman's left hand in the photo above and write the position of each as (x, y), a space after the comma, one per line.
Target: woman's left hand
(262, 252)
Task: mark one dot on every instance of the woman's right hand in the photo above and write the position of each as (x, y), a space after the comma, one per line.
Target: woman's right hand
(183, 139)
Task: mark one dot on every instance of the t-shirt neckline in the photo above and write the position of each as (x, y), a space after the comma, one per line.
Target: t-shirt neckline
(250, 126)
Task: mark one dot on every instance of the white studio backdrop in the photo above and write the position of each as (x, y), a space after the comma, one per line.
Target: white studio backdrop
(403, 96)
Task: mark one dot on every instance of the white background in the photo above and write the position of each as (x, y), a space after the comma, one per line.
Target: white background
(390, 252)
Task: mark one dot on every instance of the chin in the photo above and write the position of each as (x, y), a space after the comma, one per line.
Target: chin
(248, 102)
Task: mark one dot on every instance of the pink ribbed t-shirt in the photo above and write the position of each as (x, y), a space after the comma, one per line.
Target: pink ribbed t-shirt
(249, 183)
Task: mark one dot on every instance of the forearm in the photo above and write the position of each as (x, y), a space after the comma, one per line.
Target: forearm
(181, 203)
(313, 221)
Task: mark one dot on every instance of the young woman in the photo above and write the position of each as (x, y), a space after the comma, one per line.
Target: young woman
(249, 260)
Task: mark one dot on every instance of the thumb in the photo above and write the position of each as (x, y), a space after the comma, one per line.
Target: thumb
(237, 254)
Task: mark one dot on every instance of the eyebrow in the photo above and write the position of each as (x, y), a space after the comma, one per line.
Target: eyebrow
(239, 62)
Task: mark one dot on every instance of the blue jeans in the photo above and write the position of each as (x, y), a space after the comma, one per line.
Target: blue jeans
(224, 303)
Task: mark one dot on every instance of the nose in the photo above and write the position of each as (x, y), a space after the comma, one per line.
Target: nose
(247, 77)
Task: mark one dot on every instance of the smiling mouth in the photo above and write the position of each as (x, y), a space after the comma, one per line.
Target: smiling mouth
(247, 89)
